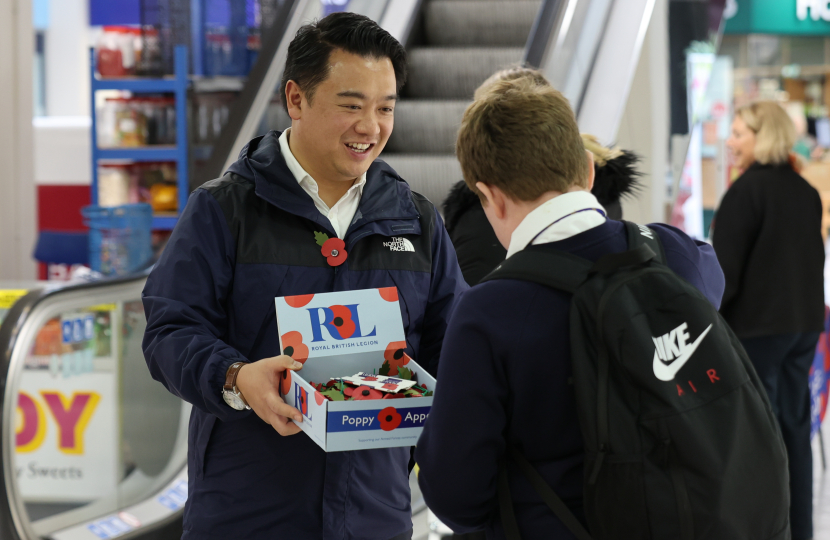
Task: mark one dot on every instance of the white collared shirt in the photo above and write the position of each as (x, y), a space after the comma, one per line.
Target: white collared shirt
(342, 213)
(563, 216)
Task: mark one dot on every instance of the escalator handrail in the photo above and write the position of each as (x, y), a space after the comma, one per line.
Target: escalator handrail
(543, 31)
(11, 522)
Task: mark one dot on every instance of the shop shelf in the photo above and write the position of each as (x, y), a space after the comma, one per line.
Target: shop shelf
(164, 222)
(135, 84)
(141, 153)
(178, 153)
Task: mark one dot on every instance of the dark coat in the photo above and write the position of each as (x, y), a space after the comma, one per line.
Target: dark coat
(767, 235)
(506, 358)
(242, 240)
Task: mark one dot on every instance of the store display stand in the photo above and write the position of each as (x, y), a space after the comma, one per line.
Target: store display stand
(178, 153)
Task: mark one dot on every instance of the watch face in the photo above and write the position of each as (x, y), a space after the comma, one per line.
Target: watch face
(233, 399)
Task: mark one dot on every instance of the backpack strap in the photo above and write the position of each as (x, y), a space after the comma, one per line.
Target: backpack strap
(555, 269)
(640, 234)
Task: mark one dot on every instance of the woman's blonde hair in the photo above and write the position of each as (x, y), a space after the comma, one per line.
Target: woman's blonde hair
(602, 154)
(773, 128)
(511, 74)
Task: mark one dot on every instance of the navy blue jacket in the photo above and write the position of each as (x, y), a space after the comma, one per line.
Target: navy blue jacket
(242, 240)
(503, 378)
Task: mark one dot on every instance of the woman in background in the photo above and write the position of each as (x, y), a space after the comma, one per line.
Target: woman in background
(767, 235)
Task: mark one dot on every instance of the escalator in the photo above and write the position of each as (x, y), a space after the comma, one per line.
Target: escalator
(93, 447)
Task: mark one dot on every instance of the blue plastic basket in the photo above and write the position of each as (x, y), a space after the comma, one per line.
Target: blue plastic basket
(119, 237)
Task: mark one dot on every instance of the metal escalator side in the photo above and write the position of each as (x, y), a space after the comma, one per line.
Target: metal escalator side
(92, 446)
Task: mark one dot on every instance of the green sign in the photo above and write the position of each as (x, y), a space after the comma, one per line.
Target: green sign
(793, 17)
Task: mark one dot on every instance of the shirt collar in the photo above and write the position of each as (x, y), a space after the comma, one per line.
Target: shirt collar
(548, 216)
(300, 174)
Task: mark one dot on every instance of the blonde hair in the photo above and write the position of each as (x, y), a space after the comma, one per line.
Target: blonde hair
(602, 154)
(773, 128)
(511, 74)
(521, 137)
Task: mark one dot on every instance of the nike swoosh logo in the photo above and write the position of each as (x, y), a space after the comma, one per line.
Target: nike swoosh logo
(667, 372)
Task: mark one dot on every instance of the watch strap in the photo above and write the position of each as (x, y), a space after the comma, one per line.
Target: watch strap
(230, 376)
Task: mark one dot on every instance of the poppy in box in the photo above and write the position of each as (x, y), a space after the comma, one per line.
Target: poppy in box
(334, 250)
(364, 392)
(390, 294)
(342, 320)
(389, 418)
(293, 346)
(395, 356)
(299, 300)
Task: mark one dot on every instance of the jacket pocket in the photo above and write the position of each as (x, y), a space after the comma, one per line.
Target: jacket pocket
(201, 428)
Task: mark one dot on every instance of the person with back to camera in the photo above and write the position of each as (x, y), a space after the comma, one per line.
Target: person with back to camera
(506, 353)
(767, 235)
(476, 245)
(252, 235)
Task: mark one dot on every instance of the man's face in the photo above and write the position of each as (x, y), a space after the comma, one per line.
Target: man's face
(345, 127)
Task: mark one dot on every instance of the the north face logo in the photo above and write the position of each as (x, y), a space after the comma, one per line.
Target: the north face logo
(673, 350)
(399, 244)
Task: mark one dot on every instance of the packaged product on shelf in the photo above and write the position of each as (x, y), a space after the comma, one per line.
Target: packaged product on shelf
(117, 51)
(137, 121)
(114, 181)
(129, 183)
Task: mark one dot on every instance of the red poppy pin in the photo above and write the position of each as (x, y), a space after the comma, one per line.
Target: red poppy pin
(395, 357)
(333, 249)
(389, 418)
(364, 392)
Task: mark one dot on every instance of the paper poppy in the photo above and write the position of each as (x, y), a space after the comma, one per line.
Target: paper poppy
(368, 379)
(394, 396)
(389, 418)
(395, 356)
(299, 300)
(389, 386)
(364, 392)
(285, 381)
(293, 346)
(334, 250)
(390, 294)
(342, 320)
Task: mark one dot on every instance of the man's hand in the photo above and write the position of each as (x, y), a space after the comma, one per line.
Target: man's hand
(259, 384)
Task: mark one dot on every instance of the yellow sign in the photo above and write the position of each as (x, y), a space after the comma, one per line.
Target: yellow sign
(101, 307)
(9, 296)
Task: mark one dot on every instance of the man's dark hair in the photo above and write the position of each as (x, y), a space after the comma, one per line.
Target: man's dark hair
(308, 54)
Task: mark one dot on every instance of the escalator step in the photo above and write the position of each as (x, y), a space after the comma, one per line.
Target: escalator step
(426, 127)
(467, 22)
(455, 73)
(430, 175)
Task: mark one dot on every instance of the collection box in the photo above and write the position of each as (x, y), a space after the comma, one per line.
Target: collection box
(341, 334)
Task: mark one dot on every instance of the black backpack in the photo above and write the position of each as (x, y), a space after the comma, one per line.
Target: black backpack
(680, 440)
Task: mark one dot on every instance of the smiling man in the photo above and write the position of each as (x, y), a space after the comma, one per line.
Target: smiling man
(252, 235)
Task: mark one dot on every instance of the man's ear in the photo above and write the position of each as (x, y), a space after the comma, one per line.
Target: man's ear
(592, 172)
(294, 99)
(495, 198)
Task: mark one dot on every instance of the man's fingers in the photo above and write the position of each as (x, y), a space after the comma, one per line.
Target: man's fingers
(284, 426)
(286, 362)
(281, 408)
